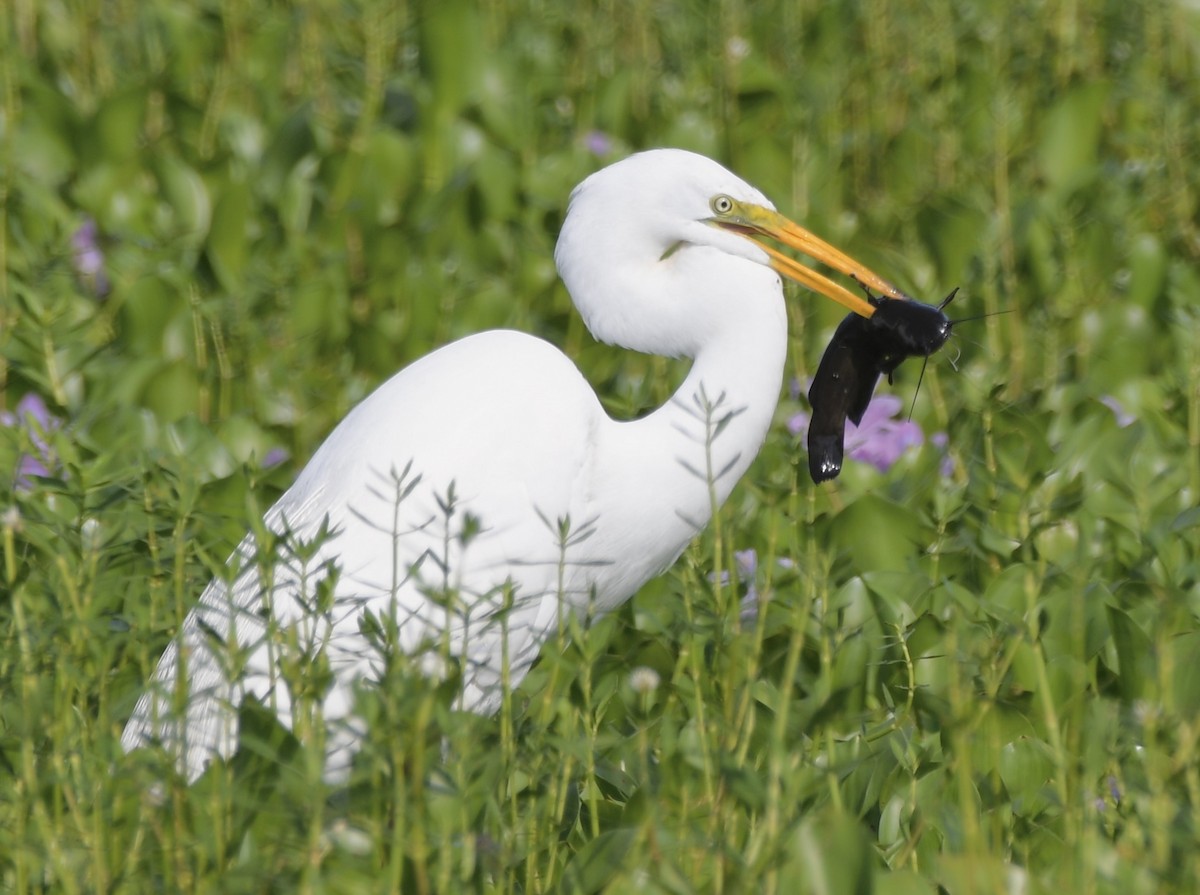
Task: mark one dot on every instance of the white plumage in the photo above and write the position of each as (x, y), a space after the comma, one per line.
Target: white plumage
(660, 253)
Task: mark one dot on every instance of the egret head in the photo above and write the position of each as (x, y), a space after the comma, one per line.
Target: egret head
(658, 248)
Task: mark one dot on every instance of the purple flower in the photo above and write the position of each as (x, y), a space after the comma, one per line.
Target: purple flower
(32, 416)
(747, 563)
(597, 142)
(879, 439)
(941, 441)
(1124, 417)
(88, 259)
(274, 457)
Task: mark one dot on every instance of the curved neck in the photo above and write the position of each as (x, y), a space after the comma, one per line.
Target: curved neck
(691, 452)
(719, 416)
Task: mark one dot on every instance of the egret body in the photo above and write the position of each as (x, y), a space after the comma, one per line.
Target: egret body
(488, 473)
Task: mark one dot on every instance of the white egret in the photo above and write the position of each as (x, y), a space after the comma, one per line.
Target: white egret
(554, 504)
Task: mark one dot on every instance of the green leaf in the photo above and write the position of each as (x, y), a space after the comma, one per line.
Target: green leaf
(295, 200)
(903, 882)
(188, 198)
(189, 438)
(878, 534)
(1027, 770)
(117, 127)
(452, 53)
(149, 306)
(1070, 139)
(598, 862)
(1189, 518)
(955, 231)
(42, 153)
(957, 873)
(388, 175)
(1147, 269)
(227, 247)
(173, 393)
(830, 855)
(1134, 655)
(1184, 652)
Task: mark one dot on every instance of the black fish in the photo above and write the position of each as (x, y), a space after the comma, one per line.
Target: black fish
(861, 350)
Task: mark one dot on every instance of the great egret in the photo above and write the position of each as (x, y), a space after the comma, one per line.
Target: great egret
(487, 472)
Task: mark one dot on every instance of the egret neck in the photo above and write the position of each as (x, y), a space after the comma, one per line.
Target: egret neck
(687, 455)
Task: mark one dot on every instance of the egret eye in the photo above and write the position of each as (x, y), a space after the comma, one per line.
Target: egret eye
(722, 204)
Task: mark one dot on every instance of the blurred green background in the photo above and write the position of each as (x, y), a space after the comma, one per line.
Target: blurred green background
(223, 223)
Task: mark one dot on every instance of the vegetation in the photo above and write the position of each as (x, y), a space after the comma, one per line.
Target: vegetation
(224, 223)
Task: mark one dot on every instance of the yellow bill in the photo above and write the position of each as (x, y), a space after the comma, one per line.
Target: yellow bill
(755, 222)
